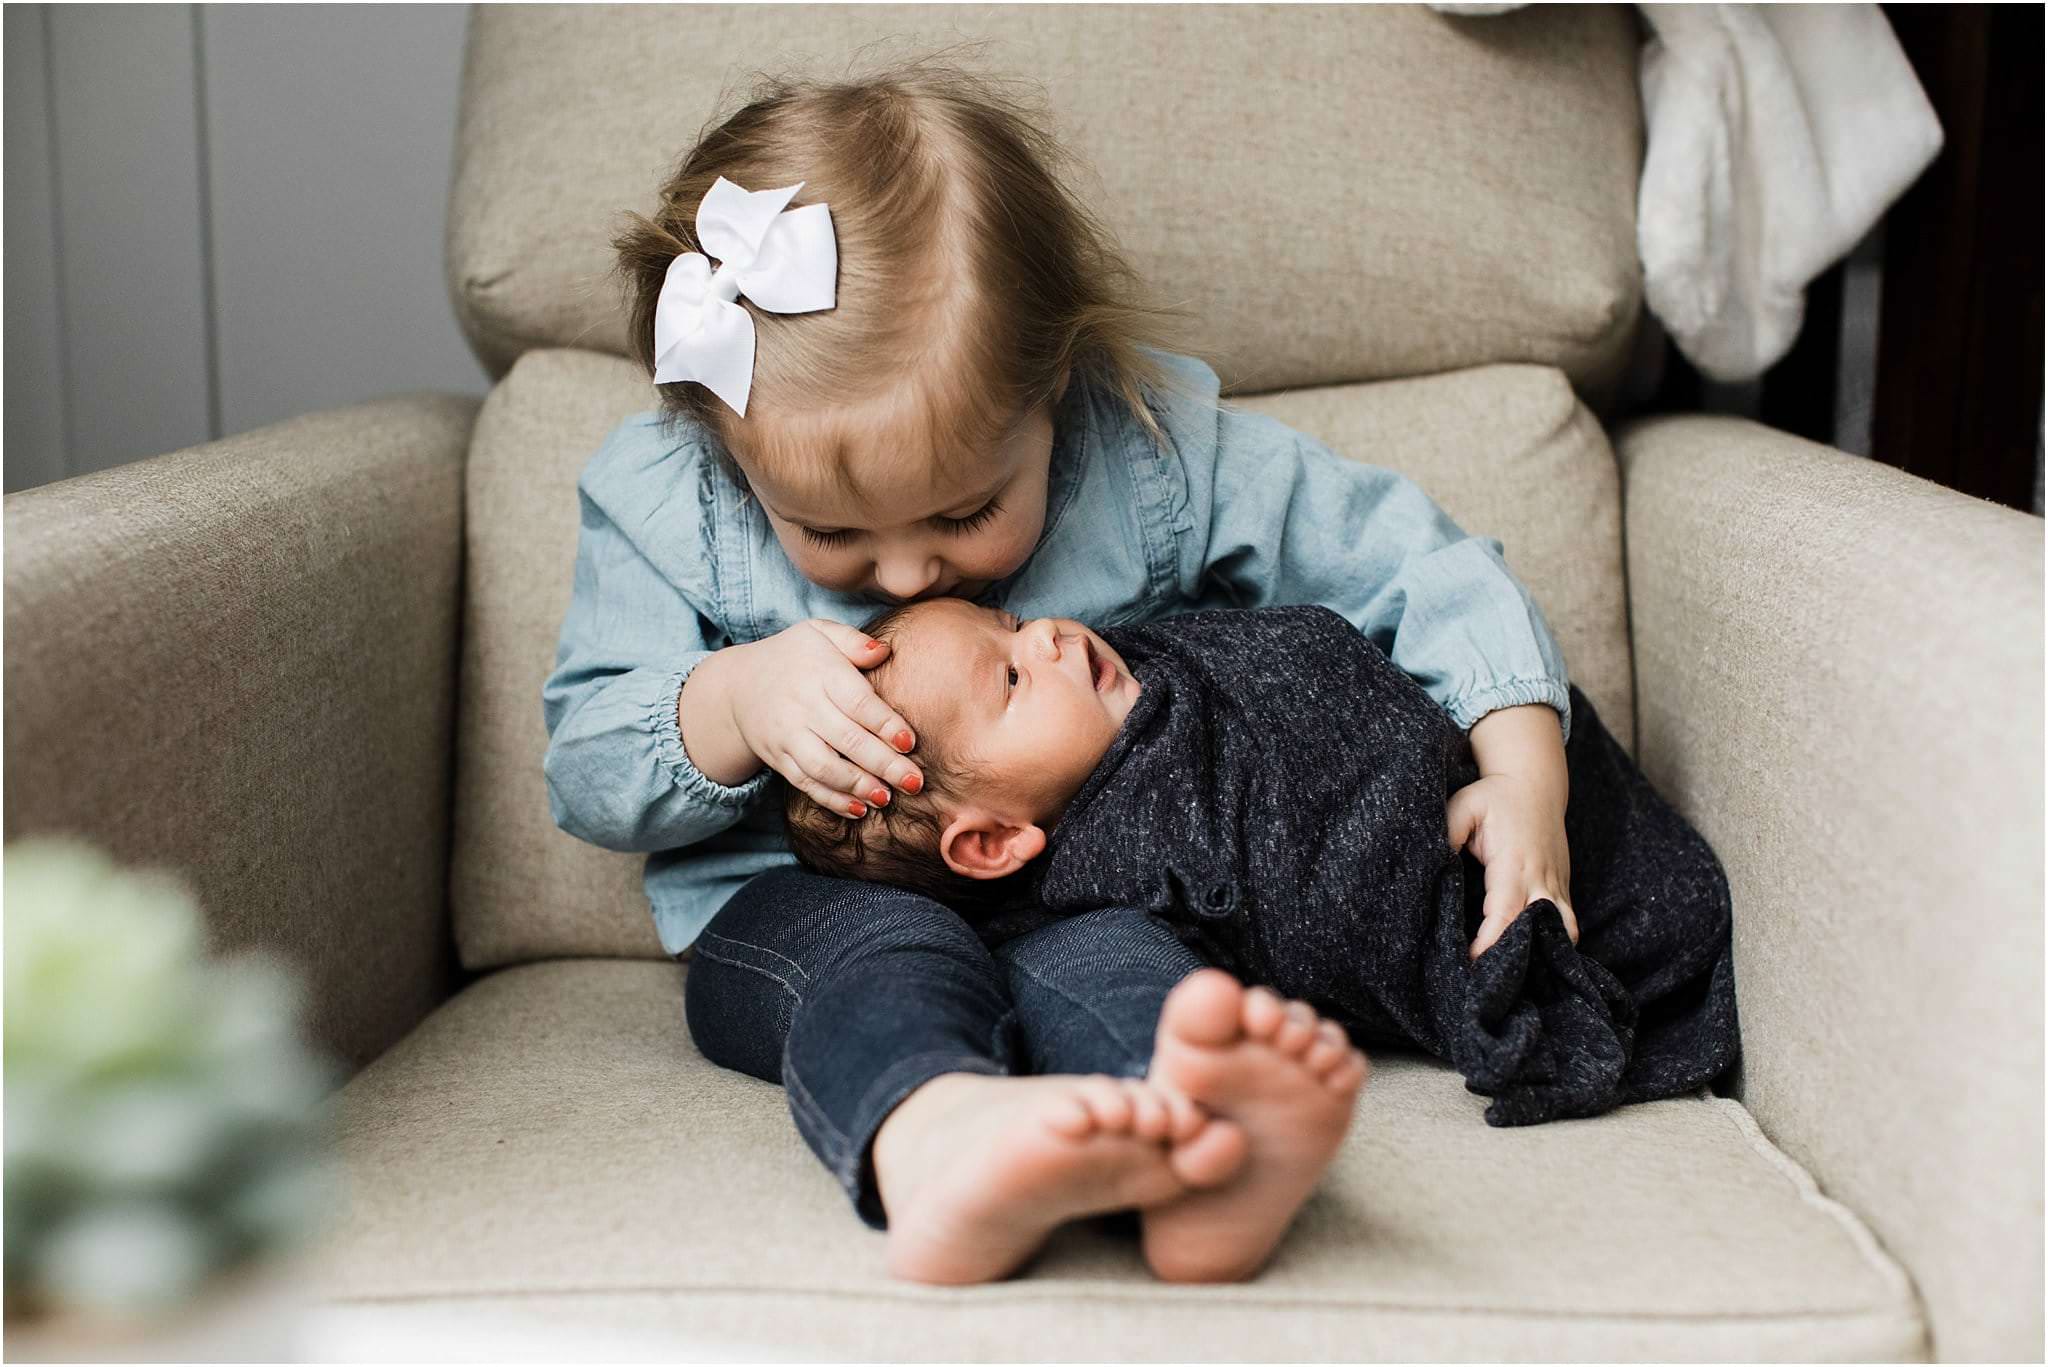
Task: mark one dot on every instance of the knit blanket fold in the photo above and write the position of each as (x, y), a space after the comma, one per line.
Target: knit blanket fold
(1278, 793)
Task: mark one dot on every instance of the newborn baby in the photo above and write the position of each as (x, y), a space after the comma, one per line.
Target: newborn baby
(1272, 786)
(1004, 746)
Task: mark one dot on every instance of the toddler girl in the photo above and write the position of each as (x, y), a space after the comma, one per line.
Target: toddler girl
(922, 369)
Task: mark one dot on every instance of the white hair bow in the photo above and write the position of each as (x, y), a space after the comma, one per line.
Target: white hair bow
(783, 262)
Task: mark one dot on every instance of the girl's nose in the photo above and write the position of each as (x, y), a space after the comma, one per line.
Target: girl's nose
(906, 576)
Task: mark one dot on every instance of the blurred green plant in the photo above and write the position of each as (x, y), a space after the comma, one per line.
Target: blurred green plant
(161, 1107)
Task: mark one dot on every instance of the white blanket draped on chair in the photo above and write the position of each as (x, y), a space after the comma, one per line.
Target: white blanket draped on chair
(1777, 136)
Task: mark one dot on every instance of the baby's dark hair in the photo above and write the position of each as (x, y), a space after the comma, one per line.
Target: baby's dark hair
(899, 842)
(972, 283)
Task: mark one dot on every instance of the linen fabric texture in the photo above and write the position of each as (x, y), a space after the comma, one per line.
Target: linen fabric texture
(1278, 794)
(661, 1192)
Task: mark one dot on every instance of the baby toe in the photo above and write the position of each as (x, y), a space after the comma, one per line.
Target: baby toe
(1106, 1101)
(1149, 1116)
(1297, 1029)
(1264, 1012)
(1214, 1155)
(1203, 1009)
(1349, 1075)
(1068, 1116)
(1330, 1048)
(1185, 1118)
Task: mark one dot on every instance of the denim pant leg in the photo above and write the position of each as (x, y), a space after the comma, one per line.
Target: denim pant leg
(851, 995)
(1088, 990)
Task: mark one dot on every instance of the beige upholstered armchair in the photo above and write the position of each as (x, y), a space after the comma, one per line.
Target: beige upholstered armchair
(303, 664)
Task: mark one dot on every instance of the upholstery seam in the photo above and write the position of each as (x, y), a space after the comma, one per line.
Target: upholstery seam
(969, 1298)
(1887, 1268)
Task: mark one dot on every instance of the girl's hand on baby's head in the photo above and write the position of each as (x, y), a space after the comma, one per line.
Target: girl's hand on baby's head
(807, 712)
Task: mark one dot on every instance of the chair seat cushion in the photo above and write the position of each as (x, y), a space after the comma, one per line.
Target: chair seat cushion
(550, 1143)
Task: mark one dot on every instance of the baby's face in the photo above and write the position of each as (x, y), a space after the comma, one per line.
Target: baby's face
(1031, 706)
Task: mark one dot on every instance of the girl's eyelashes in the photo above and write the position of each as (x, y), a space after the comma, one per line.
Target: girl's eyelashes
(959, 526)
(975, 520)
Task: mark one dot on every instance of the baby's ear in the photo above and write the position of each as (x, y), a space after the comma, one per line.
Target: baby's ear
(976, 844)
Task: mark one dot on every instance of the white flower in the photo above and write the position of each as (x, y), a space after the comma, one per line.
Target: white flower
(161, 1111)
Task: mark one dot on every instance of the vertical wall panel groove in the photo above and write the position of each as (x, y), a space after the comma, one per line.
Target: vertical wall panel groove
(207, 291)
(36, 440)
(66, 396)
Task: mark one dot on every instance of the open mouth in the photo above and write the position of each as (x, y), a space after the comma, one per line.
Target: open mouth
(1104, 671)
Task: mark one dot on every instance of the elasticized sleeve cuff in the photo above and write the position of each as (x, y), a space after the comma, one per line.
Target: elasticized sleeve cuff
(668, 745)
(1467, 710)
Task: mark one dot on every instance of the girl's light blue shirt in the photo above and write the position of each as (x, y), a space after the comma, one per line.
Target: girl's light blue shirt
(674, 561)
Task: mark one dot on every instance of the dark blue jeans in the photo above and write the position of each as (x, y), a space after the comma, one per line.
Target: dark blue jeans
(852, 995)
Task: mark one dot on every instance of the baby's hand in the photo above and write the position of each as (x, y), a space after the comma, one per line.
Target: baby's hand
(1517, 832)
(806, 711)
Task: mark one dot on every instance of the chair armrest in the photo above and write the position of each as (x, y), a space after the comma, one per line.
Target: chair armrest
(1838, 674)
(237, 662)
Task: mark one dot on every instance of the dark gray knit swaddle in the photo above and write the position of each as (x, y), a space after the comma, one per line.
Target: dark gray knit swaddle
(1278, 794)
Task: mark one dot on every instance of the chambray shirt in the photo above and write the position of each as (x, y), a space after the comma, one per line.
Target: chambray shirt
(675, 561)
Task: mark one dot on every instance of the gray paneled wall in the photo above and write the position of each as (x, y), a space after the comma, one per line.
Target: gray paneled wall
(218, 216)
(35, 436)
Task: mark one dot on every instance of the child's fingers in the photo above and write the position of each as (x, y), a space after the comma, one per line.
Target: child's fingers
(1499, 912)
(1564, 910)
(1505, 902)
(820, 794)
(1489, 930)
(857, 698)
(860, 747)
(855, 644)
(842, 785)
(1461, 815)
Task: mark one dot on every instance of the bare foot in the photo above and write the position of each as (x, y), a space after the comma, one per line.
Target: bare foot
(1288, 1079)
(976, 1171)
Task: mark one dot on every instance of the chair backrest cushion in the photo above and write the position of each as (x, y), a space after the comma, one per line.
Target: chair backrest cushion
(1339, 193)
(1507, 450)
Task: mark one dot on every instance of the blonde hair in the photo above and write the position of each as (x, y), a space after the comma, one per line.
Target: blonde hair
(971, 283)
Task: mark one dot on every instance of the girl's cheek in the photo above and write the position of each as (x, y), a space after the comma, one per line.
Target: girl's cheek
(1009, 550)
(996, 559)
